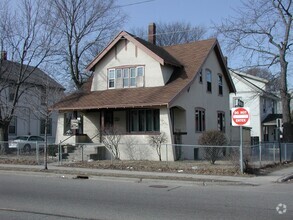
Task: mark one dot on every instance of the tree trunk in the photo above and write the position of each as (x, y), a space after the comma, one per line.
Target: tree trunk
(285, 99)
(4, 136)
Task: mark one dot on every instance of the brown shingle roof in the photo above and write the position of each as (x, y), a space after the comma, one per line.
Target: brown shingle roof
(191, 56)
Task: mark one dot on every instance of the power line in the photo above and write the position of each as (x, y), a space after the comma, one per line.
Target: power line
(136, 3)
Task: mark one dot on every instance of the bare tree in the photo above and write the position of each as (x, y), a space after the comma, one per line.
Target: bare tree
(262, 32)
(84, 28)
(45, 94)
(174, 33)
(213, 140)
(111, 138)
(274, 83)
(29, 42)
(156, 142)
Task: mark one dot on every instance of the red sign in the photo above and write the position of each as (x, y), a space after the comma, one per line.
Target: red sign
(240, 116)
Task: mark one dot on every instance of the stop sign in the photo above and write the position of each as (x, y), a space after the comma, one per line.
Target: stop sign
(240, 116)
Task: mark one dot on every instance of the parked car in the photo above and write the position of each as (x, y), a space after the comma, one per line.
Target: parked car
(26, 142)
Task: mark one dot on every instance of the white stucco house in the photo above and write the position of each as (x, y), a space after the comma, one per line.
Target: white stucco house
(38, 91)
(143, 89)
(263, 105)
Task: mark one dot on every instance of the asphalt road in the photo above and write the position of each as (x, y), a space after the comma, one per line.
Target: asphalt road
(26, 196)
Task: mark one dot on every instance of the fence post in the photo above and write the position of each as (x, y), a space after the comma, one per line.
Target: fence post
(285, 151)
(82, 153)
(37, 153)
(274, 152)
(241, 150)
(60, 154)
(260, 155)
(167, 153)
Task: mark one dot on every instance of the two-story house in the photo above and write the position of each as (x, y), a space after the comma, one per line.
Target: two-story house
(37, 92)
(262, 104)
(143, 89)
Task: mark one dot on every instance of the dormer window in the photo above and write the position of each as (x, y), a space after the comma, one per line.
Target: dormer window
(126, 77)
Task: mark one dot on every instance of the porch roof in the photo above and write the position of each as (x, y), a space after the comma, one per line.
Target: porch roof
(271, 119)
(116, 98)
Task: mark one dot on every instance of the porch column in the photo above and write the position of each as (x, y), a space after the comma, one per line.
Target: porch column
(102, 124)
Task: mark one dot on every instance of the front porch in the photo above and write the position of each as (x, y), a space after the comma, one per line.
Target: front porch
(134, 126)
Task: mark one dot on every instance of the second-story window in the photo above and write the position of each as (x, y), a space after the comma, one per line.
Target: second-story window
(209, 80)
(126, 77)
(220, 83)
(111, 78)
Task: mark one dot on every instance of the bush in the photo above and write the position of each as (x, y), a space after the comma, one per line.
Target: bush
(52, 150)
(213, 138)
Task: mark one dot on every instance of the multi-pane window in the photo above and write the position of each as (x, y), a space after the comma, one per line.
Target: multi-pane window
(145, 120)
(126, 77)
(220, 83)
(209, 80)
(199, 120)
(111, 78)
(221, 121)
(43, 126)
(12, 126)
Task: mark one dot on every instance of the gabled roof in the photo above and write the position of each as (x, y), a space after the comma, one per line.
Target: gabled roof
(154, 51)
(187, 60)
(243, 77)
(36, 76)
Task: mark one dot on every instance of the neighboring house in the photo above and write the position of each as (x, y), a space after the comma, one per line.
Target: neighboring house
(39, 91)
(262, 104)
(143, 89)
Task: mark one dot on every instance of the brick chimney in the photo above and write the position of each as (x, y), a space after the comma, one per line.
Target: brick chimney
(3, 55)
(152, 33)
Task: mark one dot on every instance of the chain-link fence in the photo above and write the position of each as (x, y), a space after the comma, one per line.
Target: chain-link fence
(26, 152)
(255, 156)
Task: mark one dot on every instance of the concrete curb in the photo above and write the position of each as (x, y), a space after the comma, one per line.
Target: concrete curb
(285, 178)
(129, 176)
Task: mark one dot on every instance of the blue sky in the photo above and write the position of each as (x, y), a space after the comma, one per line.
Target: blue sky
(196, 12)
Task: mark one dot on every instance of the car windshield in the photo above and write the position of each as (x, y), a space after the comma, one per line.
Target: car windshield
(23, 138)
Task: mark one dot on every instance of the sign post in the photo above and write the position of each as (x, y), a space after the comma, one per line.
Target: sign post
(240, 117)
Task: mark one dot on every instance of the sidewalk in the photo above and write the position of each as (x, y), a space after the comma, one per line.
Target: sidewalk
(276, 176)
